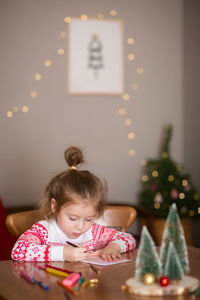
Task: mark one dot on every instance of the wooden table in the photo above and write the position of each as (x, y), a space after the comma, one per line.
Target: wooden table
(111, 278)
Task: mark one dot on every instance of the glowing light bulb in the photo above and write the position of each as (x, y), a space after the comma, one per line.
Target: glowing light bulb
(131, 152)
(145, 178)
(47, 63)
(113, 12)
(140, 71)
(179, 167)
(9, 114)
(25, 109)
(157, 205)
(60, 51)
(33, 94)
(184, 182)
(131, 135)
(128, 122)
(164, 155)
(171, 178)
(122, 111)
(155, 173)
(181, 196)
(126, 97)
(38, 76)
(67, 19)
(84, 17)
(131, 57)
(130, 41)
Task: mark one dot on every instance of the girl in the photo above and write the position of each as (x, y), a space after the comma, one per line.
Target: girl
(72, 201)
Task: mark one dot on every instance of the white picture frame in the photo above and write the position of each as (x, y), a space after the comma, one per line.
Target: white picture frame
(95, 57)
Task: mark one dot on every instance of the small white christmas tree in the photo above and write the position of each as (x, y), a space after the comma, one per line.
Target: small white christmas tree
(173, 232)
(147, 260)
(154, 277)
(173, 268)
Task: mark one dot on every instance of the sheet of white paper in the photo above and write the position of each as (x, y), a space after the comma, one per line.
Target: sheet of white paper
(101, 262)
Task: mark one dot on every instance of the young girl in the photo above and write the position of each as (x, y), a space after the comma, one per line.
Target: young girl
(72, 201)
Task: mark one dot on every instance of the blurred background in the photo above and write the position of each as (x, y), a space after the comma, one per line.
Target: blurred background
(39, 119)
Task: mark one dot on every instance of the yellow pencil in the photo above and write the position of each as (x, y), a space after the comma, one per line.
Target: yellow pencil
(57, 272)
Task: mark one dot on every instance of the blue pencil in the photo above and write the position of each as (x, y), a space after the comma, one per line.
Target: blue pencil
(41, 284)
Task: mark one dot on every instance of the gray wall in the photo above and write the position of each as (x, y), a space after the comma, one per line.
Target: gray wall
(33, 143)
(191, 96)
(191, 92)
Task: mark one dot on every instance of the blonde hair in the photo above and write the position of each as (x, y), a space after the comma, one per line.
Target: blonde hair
(71, 184)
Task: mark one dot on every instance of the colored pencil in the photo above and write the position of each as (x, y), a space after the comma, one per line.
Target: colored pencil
(57, 272)
(59, 269)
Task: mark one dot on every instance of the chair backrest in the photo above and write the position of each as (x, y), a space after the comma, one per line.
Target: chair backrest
(118, 217)
(19, 222)
(114, 216)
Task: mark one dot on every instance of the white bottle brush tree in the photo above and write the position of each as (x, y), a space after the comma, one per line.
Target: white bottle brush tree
(147, 260)
(174, 233)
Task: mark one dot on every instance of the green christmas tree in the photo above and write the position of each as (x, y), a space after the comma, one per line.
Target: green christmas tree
(164, 183)
(173, 269)
(173, 232)
(147, 260)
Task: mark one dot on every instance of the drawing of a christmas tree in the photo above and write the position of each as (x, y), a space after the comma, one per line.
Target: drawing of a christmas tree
(95, 56)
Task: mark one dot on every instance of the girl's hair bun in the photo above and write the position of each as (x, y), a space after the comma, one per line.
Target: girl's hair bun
(73, 156)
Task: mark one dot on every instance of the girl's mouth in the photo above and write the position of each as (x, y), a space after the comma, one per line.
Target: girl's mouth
(76, 234)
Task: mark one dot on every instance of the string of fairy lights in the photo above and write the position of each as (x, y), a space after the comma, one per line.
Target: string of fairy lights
(126, 97)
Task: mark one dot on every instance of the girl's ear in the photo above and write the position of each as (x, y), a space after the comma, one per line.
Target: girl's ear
(53, 205)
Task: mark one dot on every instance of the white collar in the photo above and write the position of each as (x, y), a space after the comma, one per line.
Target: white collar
(57, 235)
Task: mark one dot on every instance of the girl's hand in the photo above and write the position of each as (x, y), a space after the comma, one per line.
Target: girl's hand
(74, 254)
(110, 253)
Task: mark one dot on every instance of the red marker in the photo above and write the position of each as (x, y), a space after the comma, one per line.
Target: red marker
(71, 279)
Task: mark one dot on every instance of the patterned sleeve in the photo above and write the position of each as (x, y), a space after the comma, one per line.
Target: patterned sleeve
(32, 246)
(104, 236)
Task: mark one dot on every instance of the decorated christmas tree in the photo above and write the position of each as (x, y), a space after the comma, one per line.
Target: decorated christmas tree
(164, 183)
(148, 261)
(174, 233)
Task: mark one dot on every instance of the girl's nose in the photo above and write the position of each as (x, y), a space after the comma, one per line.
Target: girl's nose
(80, 226)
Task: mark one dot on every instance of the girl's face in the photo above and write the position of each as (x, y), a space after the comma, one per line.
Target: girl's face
(75, 219)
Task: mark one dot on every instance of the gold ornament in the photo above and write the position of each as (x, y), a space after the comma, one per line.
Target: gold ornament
(123, 287)
(149, 279)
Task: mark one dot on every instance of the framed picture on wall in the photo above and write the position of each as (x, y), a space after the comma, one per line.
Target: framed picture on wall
(95, 57)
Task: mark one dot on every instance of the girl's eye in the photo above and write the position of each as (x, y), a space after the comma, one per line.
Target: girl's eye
(72, 219)
(88, 219)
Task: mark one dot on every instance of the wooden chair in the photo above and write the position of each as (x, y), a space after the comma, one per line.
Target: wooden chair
(118, 217)
(114, 216)
(19, 222)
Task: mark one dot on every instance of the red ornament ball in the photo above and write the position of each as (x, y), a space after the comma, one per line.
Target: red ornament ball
(164, 281)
